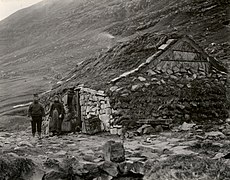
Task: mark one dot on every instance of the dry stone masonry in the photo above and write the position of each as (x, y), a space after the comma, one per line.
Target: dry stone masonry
(95, 104)
(179, 82)
(177, 96)
(95, 108)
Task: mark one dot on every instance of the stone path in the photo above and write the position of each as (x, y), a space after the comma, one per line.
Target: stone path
(88, 149)
(82, 145)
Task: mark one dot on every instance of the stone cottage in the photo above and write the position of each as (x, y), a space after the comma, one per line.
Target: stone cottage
(179, 82)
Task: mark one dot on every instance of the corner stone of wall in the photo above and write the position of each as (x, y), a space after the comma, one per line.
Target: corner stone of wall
(96, 103)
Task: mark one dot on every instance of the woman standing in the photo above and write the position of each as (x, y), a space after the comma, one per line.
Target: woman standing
(57, 114)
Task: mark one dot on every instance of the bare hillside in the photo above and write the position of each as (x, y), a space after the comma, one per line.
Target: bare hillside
(50, 39)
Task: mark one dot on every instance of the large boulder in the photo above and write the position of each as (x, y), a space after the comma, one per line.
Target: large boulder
(125, 167)
(145, 129)
(114, 151)
(149, 130)
(86, 169)
(51, 163)
(104, 177)
(132, 167)
(57, 175)
(109, 167)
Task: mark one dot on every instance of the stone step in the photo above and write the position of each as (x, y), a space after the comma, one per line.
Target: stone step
(155, 121)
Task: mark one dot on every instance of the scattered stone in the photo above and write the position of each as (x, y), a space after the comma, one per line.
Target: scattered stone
(114, 151)
(104, 177)
(221, 128)
(98, 160)
(85, 169)
(61, 153)
(13, 154)
(148, 140)
(91, 169)
(218, 156)
(51, 163)
(182, 150)
(151, 72)
(18, 148)
(136, 87)
(218, 144)
(89, 158)
(199, 137)
(199, 131)
(53, 174)
(159, 128)
(167, 151)
(5, 134)
(214, 134)
(25, 143)
(138, 168)
(142, 79)
(162, 145)
(186, 126)
(130, 135)
(125, 167)
(226, 130)
(173, 140)
(149, 130)
(153, 136)
(141, 129)
(188, 143)
(110, 168)
(149, 164)
(147, 84)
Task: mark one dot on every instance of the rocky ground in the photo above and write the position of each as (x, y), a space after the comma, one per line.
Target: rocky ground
(186, 152)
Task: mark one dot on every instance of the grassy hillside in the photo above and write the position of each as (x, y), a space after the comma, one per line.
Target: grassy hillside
(52, 38)
(52, 35)
(205, 21)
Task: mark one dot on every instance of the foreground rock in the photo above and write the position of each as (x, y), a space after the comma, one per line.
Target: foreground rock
(87, 157)
(188, 167)
(216, 135)
(114, 151)
(15, 168)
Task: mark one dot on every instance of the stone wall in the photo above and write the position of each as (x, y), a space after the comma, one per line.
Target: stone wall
(95, 103)
(177, 93)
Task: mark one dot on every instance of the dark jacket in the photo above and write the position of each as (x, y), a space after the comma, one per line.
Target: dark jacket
(36, 109)
(59, 106)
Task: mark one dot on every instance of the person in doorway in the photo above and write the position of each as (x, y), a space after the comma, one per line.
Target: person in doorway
(70, 98)
(77, 110)
(37, 113)
(72, 106)
(57, 112)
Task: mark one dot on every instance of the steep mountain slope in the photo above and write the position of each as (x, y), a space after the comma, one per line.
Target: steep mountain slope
(50, 38)
(205, 21)
(56, 33)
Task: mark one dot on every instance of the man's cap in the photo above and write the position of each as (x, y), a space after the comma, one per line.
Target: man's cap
(77, 89)
(35, 94)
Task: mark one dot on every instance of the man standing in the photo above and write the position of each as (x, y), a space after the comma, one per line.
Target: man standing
(57, 113)
(36, 112)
